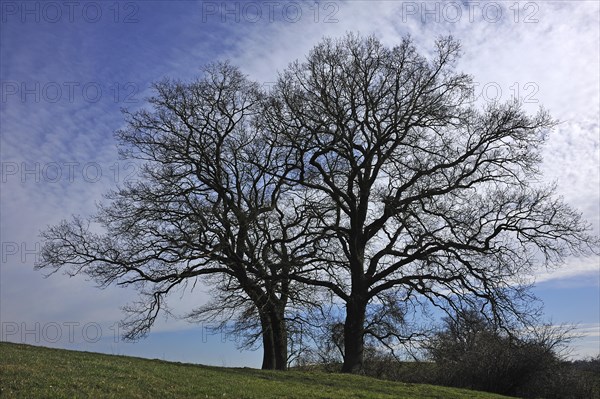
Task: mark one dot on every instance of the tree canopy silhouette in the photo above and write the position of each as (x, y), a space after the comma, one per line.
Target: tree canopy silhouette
(425, 195)
(367, 172)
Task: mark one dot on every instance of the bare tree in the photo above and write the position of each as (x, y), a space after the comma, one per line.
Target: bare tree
(420, 191)
(210, 201)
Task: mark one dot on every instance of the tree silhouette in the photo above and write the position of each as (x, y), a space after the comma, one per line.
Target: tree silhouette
(208, 203)
(423, 193)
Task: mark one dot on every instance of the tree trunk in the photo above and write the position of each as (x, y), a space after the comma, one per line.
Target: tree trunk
(274, 334)
(354, 328)
(279, 339)
(269, 362)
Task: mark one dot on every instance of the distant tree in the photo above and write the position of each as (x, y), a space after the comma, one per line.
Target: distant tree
(420, 192)
(207, 203)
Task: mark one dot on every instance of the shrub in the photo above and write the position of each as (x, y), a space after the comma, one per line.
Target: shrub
(471, 352)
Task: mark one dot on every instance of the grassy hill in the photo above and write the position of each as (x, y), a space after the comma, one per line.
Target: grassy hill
(37, 372)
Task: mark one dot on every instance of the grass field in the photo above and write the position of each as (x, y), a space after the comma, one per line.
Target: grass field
(37, 372)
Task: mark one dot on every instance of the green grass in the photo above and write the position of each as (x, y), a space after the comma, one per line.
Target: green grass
(37, 372)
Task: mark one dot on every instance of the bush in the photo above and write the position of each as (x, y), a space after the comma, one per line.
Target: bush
(471, 352)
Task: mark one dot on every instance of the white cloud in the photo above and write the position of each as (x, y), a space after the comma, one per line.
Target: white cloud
(588, 268)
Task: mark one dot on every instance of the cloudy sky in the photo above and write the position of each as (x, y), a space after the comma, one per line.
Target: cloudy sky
(67, 68)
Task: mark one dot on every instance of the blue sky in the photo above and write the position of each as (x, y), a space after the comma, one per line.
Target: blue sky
(68, 68)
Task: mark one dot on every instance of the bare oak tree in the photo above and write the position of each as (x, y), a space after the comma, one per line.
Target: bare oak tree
(210, 202)
(420, 191)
